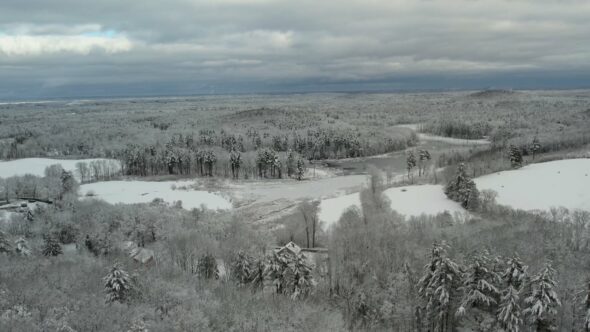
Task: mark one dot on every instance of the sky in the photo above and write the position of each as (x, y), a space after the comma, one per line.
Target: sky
(69, 48)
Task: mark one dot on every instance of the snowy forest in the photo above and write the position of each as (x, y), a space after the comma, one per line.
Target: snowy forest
(108, 219)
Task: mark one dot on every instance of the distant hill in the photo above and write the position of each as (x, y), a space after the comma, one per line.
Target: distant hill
(494, 93)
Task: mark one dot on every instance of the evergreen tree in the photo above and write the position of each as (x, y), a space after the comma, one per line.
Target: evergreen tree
(207, 266)
(52, 247)
(462, 189)
(438, 287)
(479, 288)
(289, 274)
(300, 169)
(509, 314)
(515, 156)
(236, 161)
(5, 246)
(423, 156)
(117, 285)
(242, 268)
(291, 163)
(587, 307)
(410, 162)
(541, 305)
(535, 146)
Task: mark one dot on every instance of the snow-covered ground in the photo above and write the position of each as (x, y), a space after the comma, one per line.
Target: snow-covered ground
(408, 200)
(266, 191)
(36, 166)
(130, 192)
(541, 186)
(449, 140)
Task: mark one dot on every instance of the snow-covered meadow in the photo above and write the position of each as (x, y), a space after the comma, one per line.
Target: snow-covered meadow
(408, 201)
(562, 183)
(36, 166)
(131, 192)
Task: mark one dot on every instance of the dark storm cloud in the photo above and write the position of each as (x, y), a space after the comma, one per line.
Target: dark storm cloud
(51, 47)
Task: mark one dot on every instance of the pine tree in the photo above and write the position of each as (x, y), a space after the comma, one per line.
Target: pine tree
(587, 308)
(515, 156)
(52, 247)
(438, 287)
(117, 285)
(410, 162)
(300, 169)
(242, 268)
(207, 266)
(462, 189)
(535, 146)
(509, 314)
(291, 163)
(423, 156)
(543, 302)
(479, 288)
(5, 246)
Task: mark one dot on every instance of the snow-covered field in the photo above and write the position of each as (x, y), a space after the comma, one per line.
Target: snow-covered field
(408, 200)
(36, 166)
(541, 186)
(450, 140)
(130, 192)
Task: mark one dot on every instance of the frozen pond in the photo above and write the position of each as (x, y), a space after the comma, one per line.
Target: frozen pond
(130, 192)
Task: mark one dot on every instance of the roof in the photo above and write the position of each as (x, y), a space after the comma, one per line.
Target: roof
(291, 247)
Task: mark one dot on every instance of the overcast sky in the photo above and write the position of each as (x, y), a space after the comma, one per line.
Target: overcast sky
(63, 48)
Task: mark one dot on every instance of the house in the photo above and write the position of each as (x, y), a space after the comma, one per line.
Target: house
(317, 258)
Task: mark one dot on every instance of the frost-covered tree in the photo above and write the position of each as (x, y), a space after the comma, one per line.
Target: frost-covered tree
(462, 189)
(541, 305)
(117, 285)
(509, 313)
(410, 162)
(479, 284)
(438, 288)
(5, 246)
(236, 162)
(242, 268)
(423, 157)
(515, 156)
(535, 146)
(587, 307)
(291, 163)
(207, 266)
(290, 274)
(22, 247)
(300, 169)
(51, 247)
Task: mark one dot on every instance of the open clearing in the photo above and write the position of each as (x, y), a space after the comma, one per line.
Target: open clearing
(131, 192)
(408, 201)
(36, 166)
(541, 186)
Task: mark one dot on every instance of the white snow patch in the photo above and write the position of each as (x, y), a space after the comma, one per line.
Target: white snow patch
(131, 192)
(36, 166)
(564, 183)
(408, 201)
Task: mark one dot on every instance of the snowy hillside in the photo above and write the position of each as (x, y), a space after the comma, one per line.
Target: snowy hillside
(542, 186)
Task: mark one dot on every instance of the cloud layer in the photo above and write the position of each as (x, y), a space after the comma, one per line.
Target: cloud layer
(191, 46)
